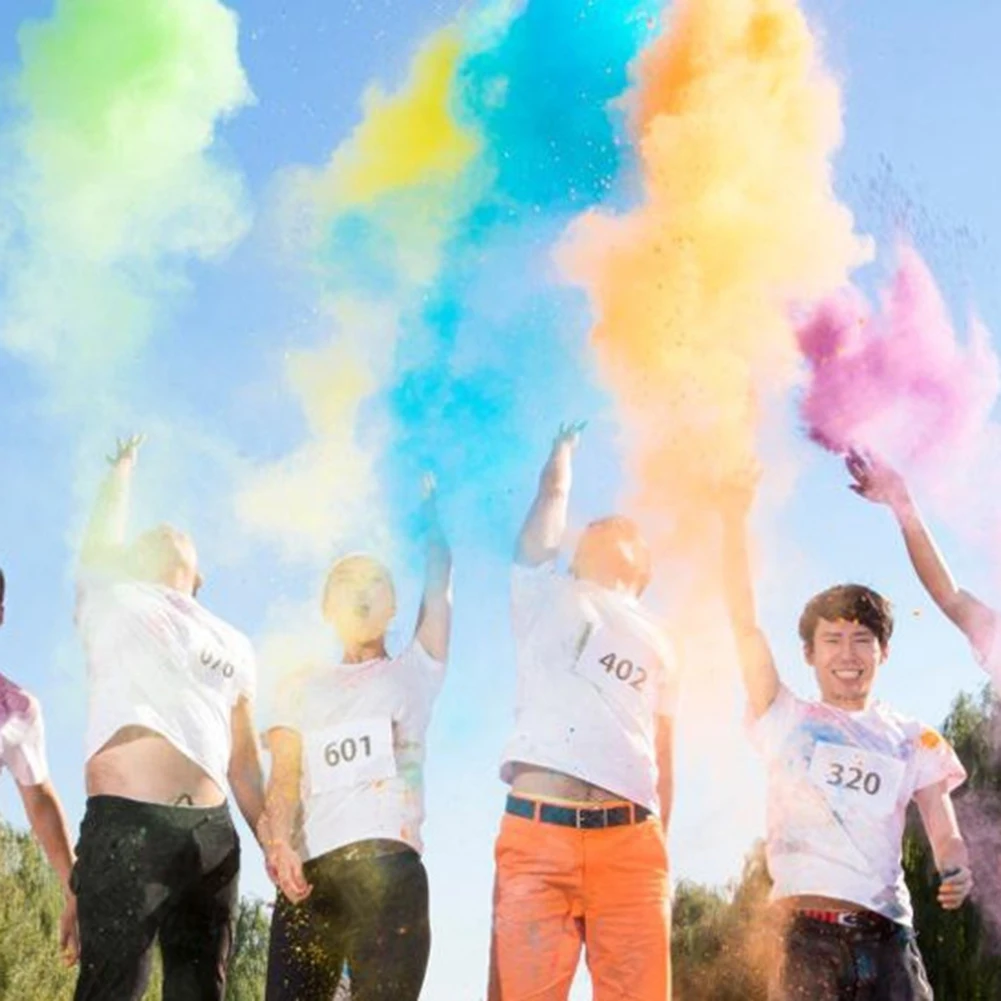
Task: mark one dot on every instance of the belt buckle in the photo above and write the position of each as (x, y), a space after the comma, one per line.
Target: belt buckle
(591, 818)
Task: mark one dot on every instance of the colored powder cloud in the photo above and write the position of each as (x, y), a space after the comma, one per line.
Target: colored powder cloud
(109, 180)
(370, 225)
(897, 381)
(494, 138)
(496, 357)
(736, 122)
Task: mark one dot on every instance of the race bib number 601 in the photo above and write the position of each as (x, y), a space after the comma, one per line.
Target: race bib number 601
(351, 753)
(853, 777)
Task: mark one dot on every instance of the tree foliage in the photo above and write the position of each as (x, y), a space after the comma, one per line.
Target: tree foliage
(30, 905)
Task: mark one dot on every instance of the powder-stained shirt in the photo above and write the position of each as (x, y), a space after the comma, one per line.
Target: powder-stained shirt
(594, 674)
(363, 729)
(22, 734)
(157, 659)
(838, 788)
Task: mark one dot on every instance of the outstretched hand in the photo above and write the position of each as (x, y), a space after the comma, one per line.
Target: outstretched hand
(875, 480)
(569, 433)
(126, 450)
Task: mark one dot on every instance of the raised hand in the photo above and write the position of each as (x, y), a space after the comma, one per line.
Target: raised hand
(126, 450)
(429, 504)
(875, 480)
(569, 433)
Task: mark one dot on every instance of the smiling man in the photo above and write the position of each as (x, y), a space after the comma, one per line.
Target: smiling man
(842, 771)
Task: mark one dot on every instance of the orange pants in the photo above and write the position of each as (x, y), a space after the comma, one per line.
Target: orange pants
(558, 889)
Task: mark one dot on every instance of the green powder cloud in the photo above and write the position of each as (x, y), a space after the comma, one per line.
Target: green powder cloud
(109, 180)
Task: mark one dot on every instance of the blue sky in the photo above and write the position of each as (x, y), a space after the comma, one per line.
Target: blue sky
(922, 126)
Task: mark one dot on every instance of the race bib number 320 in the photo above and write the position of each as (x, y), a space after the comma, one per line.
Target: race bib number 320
(856, 778)
(351, 754)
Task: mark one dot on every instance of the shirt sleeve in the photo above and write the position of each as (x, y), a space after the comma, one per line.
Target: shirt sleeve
(936, 761)
(284, 704)
(670, 684)
(769, 731)
(24, 746)
(530, 589)
(430, 670)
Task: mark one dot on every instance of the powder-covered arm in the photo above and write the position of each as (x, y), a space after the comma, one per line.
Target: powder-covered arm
(878, 482)
(541, 534)
(105, 534)
(282, 805)
(434, 622)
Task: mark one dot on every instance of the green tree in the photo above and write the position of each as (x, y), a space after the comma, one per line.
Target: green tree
(31, 968)
(961, 948)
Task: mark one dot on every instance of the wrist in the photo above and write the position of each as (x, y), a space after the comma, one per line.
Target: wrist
(902, 505)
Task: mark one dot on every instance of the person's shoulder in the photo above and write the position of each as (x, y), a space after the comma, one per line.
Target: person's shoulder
(911, 728)
(16, 701)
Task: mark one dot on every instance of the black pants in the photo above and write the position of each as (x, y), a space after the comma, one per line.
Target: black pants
(145, 871)
(368, 912)
(826, 962)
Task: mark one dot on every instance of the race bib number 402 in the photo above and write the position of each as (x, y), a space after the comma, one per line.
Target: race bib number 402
(856, 778)
(351, 754)
(622, 668)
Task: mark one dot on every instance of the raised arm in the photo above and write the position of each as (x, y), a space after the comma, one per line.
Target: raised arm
(541, 534)
(761, 679)
(434, 623)
(877, 482)
(104, 538)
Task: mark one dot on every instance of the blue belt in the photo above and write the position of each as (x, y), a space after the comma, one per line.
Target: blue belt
(582, 817)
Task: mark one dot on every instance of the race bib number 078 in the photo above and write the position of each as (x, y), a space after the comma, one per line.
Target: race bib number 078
(856, 778)
(351, 754)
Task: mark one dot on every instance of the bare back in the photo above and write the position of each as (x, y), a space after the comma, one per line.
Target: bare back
(140, 764)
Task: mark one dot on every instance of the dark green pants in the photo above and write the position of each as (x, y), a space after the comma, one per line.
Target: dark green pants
(147, 872)
(368, 914)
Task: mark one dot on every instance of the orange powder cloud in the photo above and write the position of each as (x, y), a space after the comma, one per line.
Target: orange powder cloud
(736, 122)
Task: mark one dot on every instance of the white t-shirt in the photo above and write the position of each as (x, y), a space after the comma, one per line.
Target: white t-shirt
(158, 659)
(22, 735)
(838, 788)
(363, 729)
(594, 674)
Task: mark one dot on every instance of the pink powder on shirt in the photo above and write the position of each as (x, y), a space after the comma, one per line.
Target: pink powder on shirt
(13, 701)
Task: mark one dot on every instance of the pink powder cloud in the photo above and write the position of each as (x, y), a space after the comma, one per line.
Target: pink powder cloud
(897, 381)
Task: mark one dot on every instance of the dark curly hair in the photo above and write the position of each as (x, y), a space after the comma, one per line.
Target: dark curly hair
(852, 602)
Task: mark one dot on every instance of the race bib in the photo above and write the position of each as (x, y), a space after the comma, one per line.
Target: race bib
(623, 668)
(351, 754)
(857, 779)
(212, 667)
